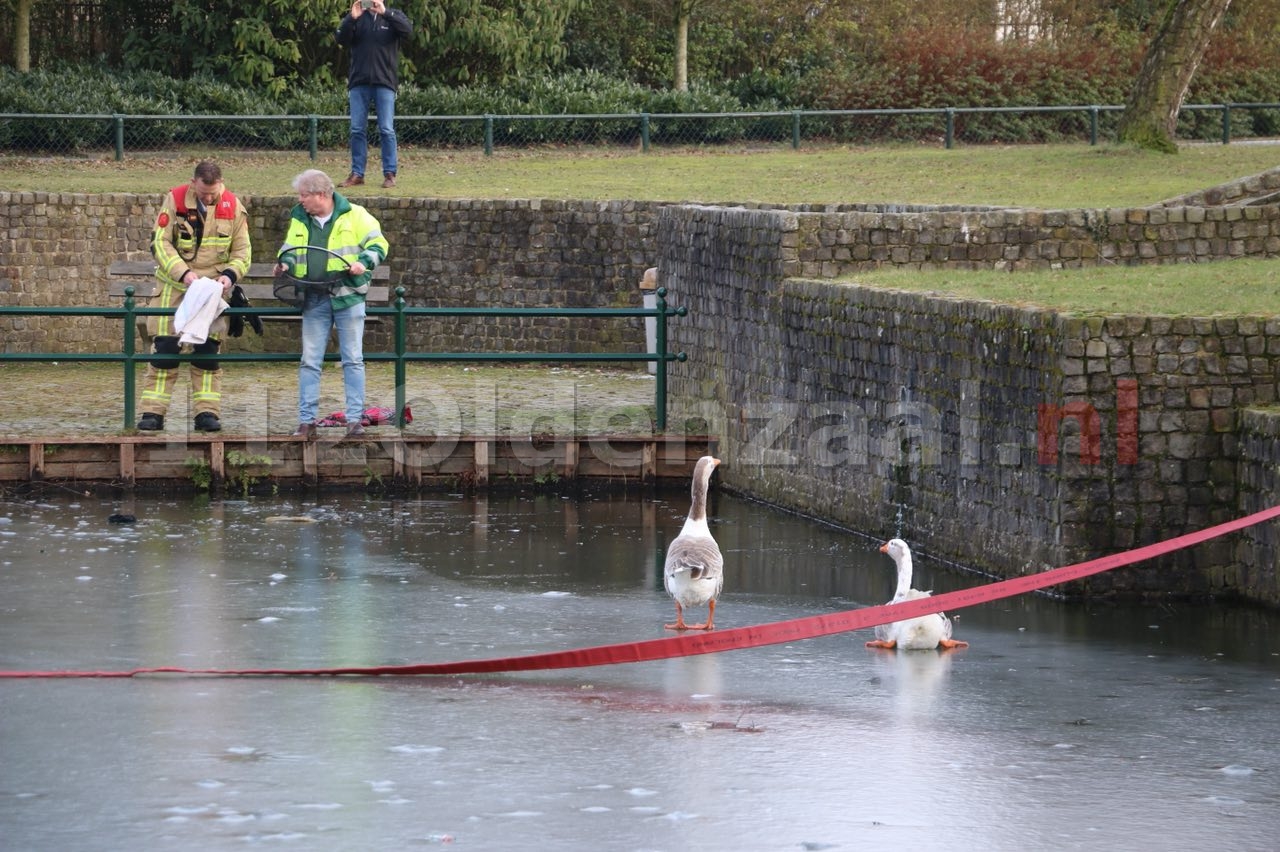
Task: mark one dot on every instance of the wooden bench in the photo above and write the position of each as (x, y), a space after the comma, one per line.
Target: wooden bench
(140, 275)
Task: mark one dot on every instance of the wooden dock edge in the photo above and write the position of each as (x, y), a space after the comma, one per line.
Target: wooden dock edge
(246, 463)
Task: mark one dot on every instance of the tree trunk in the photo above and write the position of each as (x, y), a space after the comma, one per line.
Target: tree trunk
(22, 36)
(682, 48)
(1150, 117)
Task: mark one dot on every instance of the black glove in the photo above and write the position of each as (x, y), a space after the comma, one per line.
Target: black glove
(240, 300)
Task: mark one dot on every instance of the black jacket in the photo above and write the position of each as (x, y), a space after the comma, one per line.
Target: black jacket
(375, 47)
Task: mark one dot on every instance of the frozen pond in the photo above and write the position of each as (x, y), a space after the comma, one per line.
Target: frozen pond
(1061, 726)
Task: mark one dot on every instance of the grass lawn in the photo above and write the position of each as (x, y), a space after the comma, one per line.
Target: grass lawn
(1040, 176)
(1246, 287)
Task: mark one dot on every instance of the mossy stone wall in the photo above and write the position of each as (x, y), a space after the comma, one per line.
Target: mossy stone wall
(1006, 438)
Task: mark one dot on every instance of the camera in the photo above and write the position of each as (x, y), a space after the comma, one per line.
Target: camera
(366, 4)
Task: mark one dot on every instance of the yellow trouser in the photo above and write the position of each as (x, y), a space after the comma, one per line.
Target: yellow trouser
(162, 373)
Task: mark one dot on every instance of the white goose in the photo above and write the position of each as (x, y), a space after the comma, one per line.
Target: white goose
(914, 634)
(694, 570)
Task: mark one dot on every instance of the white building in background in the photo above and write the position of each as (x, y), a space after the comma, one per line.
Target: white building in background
(1018, 20)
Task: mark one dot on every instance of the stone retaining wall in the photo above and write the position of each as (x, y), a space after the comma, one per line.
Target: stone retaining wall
(466, 253)
(1008, 438)
(1257, 549)
(55, 248)
(1255, 189)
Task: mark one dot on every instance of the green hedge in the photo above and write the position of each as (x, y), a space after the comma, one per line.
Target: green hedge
(932, 69)
(91, 90)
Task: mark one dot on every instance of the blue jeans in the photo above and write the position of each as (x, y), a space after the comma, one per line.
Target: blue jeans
(318, 316)
(384, 103)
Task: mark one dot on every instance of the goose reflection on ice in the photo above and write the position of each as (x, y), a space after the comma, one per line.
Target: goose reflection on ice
(915, 679)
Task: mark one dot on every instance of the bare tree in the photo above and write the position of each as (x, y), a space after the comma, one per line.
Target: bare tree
(1150, 116)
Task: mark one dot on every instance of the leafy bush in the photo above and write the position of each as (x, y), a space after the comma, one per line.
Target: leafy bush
(1232, 73)
(88, 90)
(939, 69)
(908, 83)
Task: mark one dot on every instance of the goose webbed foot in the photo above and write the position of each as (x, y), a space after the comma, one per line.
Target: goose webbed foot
(679, 625)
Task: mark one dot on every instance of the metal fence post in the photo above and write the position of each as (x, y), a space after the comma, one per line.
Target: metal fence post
(660, 385)
(795, 130)
(644, 132)
(951, 128)
(399, 346)
(118, 121)
(1226, 124)
(313, 135)
(1093, 125)
(130, 373)
(488, 136)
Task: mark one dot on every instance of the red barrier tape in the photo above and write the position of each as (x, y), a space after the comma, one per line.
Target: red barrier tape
(735, 638)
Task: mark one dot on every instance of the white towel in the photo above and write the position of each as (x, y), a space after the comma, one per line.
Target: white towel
(200, 307)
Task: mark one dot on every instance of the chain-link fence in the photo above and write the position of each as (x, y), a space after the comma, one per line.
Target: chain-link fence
(137, 135)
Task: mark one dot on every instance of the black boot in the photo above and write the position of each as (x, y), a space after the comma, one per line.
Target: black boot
(207, 421)
(151, 423)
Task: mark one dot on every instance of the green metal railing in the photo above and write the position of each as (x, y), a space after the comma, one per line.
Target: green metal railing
(316, 132)
(401, 356)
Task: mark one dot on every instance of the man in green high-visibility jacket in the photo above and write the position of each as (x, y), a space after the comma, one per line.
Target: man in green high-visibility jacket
(333, 246)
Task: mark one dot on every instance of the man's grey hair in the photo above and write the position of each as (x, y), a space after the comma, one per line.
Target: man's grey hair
(313, 180)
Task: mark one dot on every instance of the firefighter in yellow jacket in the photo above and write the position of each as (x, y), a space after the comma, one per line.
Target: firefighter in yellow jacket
(202, 231)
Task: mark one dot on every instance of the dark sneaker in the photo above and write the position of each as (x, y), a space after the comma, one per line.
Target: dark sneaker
(305, 431)
(388, 180)
(353, 179)
(151, 423)
(207, 421)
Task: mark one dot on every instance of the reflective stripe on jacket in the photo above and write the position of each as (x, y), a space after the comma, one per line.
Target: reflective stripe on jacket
(353, 233)
(184, 239)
